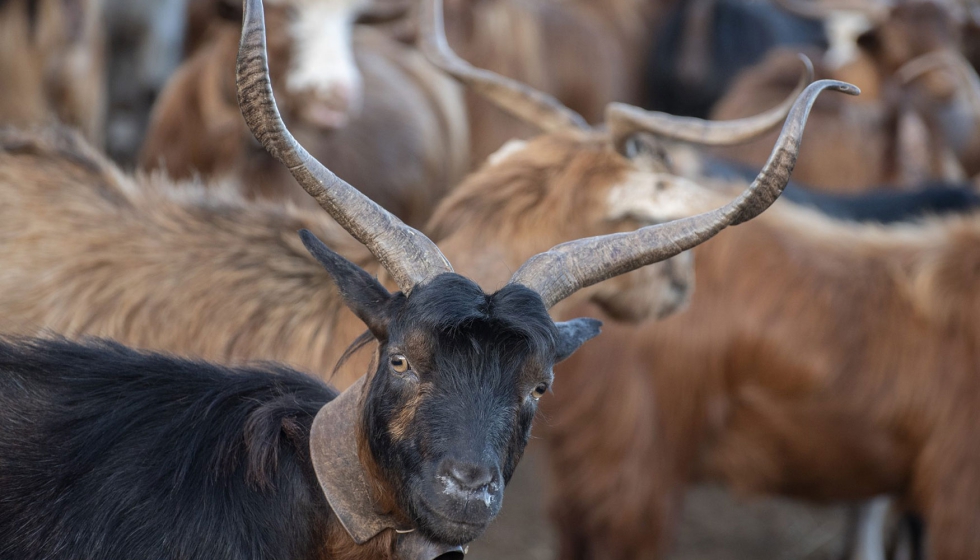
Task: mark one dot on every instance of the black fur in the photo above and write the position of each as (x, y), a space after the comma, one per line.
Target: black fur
(109, 453)
(466, 403)
(883, 205)
(741, 34)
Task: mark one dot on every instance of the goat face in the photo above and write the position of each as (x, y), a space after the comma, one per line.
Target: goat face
(571, 185)
(458, 376)
(322, 85)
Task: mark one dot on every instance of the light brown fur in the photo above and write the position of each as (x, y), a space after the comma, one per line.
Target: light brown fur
(53, 70)
(405, 150)
(817, 359)
(87, 250)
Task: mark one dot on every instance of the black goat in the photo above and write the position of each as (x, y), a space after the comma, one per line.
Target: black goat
(109, 453)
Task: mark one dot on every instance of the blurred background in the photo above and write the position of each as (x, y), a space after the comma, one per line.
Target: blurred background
(808, 402)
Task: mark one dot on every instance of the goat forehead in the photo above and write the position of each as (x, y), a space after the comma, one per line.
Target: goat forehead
(323, 55)
(656, 198)
(451, 318)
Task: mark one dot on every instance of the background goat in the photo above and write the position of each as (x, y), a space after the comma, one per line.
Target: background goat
(906, 131)
(569, 184)
(851, 377)
(405, 138)
(51, 60)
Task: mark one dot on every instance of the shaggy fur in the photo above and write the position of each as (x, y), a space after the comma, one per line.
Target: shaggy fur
(51, 60)
(202, 272)
(405, 149)
(110, 453)
(186, 269)
(818, 359)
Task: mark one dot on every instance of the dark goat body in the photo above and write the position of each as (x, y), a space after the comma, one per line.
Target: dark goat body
(706, 43)
(882, 205)
(111, 453)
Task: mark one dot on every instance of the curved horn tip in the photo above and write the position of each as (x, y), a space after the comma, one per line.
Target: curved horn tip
(843, 87)
(808, 65)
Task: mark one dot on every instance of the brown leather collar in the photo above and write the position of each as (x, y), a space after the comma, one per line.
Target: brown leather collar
(333, 448)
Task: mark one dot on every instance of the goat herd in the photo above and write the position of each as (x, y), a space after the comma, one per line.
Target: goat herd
(495, 181)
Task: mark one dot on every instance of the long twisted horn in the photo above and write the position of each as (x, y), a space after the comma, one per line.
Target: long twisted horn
(569, 267)
(625, 120)
(408, 255)
(521, 100)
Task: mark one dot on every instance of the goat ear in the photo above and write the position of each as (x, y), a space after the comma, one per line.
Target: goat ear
(362, 293)
(573, 334)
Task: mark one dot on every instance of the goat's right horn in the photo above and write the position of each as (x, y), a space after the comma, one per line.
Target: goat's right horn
(521, 100)
(625, 120)
(569, 267)
(409, 256)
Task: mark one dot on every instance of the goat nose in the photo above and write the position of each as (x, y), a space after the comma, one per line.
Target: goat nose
(467, 475)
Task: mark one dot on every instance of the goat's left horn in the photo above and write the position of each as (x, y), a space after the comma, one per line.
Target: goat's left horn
(520, 100)
(409, 256)
(625, 120)
(569, 267)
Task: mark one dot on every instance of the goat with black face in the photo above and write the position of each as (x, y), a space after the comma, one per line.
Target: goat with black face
(448, 410)
(411, 460)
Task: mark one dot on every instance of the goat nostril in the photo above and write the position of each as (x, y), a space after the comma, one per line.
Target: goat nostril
(468, 476)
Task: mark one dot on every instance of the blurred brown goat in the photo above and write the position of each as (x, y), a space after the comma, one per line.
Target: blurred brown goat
(586, 53)
(817, 359)
(404, 138)
(233, 283)
(51, 63)
(907, 129)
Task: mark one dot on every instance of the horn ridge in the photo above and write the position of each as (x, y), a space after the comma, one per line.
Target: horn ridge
(409, 256)
(569, 267)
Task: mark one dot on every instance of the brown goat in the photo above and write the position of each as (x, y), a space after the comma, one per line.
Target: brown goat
(406, 147)
(51, 60)
(586, 53)
(571, 183)
(142, 250)
(900, 134)
(851, 373)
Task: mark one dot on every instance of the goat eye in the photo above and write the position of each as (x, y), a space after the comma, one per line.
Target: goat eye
(539, 391)
(399, 363)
